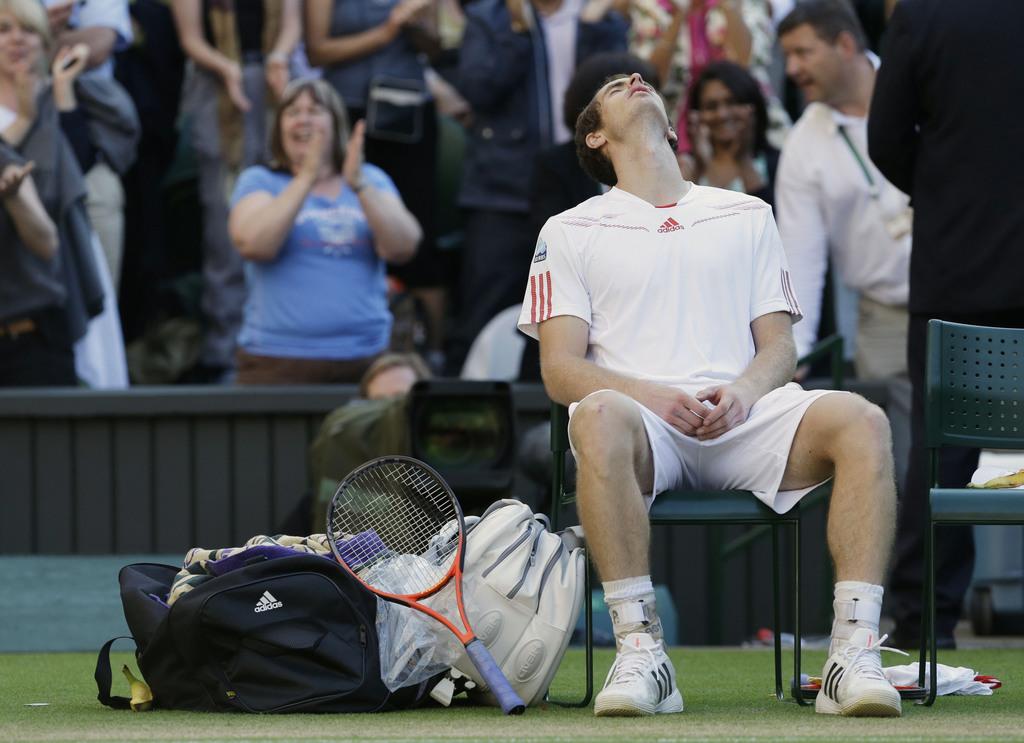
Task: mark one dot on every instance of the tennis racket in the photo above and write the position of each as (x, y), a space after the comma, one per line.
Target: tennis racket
(396, 526)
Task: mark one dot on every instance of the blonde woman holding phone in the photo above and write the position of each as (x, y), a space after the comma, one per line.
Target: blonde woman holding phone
(44, 305)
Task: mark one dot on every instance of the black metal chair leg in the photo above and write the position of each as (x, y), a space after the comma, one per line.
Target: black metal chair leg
(588, 613)
(588, 624)
(923, 634)
(930, 608)
(798, 690)
(776, 604)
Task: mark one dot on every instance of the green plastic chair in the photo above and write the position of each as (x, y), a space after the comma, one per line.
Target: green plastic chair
(719, 507)
(974, 396)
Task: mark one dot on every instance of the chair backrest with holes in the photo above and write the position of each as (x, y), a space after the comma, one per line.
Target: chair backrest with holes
(975, 386)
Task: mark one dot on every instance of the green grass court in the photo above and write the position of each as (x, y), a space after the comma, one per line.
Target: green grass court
(728, 695)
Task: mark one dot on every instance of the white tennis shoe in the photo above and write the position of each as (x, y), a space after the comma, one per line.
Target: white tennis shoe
(641, 681)
(853, 684)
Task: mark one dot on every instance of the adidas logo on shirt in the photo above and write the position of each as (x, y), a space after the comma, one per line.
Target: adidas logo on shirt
(267, 602)
(670, 225)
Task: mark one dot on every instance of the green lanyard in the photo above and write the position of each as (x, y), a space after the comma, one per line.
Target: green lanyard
(873, 190)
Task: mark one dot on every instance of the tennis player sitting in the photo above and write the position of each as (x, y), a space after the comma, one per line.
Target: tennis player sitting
(664, 312)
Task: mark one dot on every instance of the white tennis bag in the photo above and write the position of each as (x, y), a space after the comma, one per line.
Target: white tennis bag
(525, 588)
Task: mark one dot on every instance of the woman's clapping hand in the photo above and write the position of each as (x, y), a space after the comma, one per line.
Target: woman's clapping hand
(352, 170)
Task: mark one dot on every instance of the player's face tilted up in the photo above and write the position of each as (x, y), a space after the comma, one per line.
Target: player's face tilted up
(626, 103)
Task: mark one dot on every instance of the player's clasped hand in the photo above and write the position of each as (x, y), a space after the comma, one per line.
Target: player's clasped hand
(732, 406)
(679, 409)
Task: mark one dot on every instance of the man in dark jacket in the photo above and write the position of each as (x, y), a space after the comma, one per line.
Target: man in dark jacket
(516, 60)
(947, 129)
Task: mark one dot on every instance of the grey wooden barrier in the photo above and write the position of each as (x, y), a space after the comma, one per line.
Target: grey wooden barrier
(163, 469)
(160, 469)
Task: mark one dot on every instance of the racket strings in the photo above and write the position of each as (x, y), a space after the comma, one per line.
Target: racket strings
(397, 527)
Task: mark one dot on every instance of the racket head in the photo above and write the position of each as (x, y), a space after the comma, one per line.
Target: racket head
(396, 525)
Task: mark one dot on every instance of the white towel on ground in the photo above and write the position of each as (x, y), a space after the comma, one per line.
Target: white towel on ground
(950, 680)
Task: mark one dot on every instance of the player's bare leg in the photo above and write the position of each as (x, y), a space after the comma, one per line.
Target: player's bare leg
(614, 466)
(848, 437)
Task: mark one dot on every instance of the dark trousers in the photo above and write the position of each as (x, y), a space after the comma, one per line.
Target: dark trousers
(43, 357)
(412, 166)
(496, 256)
(954, 545)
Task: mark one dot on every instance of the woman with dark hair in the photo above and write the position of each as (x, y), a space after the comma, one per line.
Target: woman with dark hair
(728, 129)
(315, 230)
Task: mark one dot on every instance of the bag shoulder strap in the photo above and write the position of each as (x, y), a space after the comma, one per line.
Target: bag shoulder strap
(104, 679)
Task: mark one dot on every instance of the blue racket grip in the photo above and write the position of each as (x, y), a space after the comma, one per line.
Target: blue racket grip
(510, 702)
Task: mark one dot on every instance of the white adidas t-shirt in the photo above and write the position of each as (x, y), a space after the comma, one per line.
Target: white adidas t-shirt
(668, 292)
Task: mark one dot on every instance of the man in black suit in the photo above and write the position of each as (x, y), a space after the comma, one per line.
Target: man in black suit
(947, 127)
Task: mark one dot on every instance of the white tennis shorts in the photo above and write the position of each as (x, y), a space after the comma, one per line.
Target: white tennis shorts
(752, 456)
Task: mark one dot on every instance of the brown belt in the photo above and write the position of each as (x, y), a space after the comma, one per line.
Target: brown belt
(14, 328)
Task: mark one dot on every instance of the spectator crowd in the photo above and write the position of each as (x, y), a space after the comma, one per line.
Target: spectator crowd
(279, 191)
(284, 191)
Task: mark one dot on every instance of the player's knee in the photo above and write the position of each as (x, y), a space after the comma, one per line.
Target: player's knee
(604, 426)
(866, 433)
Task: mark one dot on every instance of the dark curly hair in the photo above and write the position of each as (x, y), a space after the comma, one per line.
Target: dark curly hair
(592, 74)
(594, 162)
(580, 107)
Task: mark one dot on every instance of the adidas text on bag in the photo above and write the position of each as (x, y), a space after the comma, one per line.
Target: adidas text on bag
(267, 602)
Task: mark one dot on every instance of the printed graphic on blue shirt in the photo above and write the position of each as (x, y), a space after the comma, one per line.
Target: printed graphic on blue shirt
(324, 294)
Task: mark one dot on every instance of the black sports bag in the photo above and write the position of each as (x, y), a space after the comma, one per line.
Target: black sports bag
(291, 634)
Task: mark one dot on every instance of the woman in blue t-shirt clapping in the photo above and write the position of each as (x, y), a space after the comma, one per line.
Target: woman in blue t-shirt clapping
(316, 229)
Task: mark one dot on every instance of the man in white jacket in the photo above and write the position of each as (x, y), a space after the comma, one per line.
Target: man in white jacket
(832, 202)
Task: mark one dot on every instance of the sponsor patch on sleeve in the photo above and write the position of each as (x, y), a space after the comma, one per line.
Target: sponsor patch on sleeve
(541, 253)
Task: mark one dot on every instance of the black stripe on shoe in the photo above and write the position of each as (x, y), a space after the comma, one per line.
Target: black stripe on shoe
(835, 676)
(832, 680)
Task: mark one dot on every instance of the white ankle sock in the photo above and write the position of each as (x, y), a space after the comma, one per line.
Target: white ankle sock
(856, 605)
(632, 607)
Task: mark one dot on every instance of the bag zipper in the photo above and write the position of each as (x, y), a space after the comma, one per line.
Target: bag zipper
(547, 571)
(510, 549)
(531, 562)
